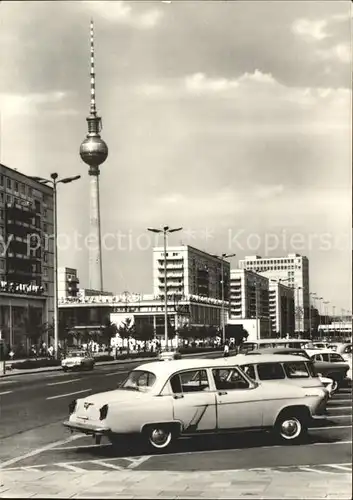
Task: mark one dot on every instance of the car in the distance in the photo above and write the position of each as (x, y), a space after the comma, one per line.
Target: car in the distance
(289, 369)
(336, 371)
(161, 402)
(78, 360)
(169, 355)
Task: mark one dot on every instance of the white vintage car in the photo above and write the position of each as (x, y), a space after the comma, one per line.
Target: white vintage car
(164, 401)
(78, 360)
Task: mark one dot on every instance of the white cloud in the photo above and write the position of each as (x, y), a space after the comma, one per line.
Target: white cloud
(341, 52)
(122, 12)
(198, 82)
(25, 104)
(310, 30)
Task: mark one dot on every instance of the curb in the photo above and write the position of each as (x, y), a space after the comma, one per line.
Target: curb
(101, 363)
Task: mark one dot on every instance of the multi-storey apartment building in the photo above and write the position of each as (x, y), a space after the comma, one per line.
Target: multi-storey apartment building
(281, 309)
(249, 300)
(26, 257)
(190, 272)
(292, 270)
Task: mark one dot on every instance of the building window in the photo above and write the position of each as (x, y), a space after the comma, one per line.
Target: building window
(9, 183)
(2, 232)
(45, 212)
(1, 214)
(8, 199)
(16, 186)
(45, 271)
(22, 188)
(2, 197)
(45, 227)
(1, 180)
(45, 257)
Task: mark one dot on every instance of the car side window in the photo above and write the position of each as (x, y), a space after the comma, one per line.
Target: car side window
(336, 358)
(296, 370)
(325, 357)
(228, 379)
(190, 381)
(270, 371)
(317, 357)
(249, 370)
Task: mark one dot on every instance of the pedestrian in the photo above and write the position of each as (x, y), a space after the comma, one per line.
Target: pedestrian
(226, 350)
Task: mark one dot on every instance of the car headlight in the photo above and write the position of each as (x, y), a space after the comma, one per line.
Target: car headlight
(103, 412)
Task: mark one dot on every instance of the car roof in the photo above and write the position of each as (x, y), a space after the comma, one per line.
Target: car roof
(321, 351)
(245, 359)
(167, 368)
(279, 350)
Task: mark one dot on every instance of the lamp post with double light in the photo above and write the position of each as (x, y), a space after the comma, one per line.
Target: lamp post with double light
(165, 231)
(54, 181)
(223, 324)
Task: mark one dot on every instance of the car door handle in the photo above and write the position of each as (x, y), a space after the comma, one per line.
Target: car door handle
(178, 396)
(222, 393)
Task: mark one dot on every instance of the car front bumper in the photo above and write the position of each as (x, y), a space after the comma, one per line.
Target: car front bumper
(91, 429)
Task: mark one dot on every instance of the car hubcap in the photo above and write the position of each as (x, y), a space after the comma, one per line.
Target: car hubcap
(290, 428)
(334, 385)
(160, 438)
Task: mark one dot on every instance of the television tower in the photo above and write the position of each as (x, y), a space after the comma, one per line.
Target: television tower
(94, 152)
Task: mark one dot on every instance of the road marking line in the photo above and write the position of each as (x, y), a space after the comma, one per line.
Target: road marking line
(109, 466)
(68, 394)
(71, 467)
(309, 469)
(64, 382)
(6, 392)
(3, 382)
(31, 468)
(138, 461)
(115, 373)
(341, 467)
(39, 450)
(84, 446)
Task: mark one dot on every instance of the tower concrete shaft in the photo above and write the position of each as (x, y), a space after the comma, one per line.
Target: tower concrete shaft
(94, 152)
(95, 247)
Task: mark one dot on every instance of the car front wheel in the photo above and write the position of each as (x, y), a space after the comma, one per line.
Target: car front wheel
(291, 428)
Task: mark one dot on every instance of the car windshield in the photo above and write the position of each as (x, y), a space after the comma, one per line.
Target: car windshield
(138, 380)
(76, 354)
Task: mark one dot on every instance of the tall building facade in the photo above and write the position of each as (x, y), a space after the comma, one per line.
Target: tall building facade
(26, 257)
(292, 270)
(94, 152)
(281, 309)
(249, 295)
(190, 272)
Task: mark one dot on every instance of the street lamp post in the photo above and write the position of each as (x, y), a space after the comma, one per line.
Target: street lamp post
(311, 294)
(223, 325)
(320, 299)
(54, 181)
(165, 230)
(299, 310)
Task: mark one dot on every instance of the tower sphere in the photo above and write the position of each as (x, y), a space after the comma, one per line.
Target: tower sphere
(93, 151)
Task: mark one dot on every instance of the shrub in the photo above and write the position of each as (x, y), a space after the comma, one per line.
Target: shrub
(29, 364)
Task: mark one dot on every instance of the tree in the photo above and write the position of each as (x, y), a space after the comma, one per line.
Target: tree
(109, 331)
(126, 330)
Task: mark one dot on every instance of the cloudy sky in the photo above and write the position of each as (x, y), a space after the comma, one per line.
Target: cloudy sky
(230, 119)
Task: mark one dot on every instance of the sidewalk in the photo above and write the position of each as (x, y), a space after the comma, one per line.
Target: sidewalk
(263, 484)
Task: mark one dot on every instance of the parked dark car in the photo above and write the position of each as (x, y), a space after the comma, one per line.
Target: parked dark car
(337, 371)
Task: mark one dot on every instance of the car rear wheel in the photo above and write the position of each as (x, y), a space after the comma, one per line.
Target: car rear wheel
(291, 428)
(160, 437)
(334, 386)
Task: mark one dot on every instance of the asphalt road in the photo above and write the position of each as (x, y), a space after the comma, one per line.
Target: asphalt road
(32, 408)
